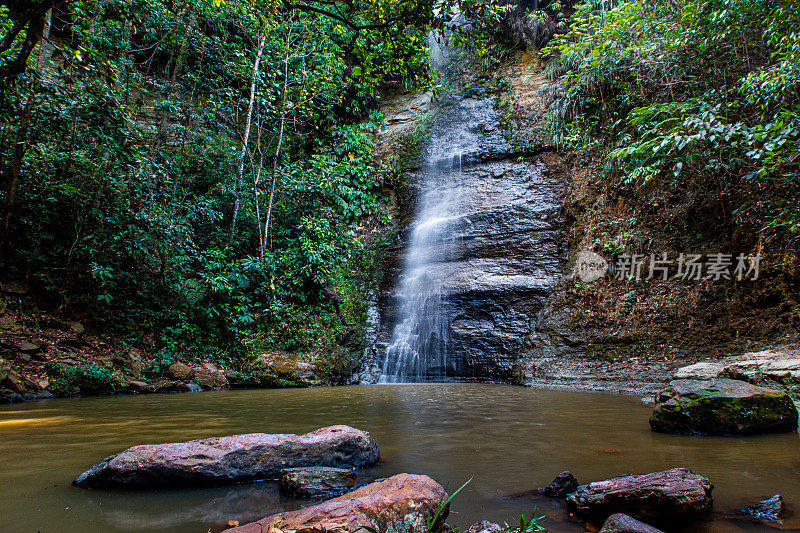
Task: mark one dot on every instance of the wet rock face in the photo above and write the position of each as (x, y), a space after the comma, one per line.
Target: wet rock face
(661, 496)
(403, 503)
(722, 407)
(222, 460)
(498, 253)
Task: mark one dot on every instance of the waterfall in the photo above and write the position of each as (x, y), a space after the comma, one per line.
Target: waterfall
(418, 348)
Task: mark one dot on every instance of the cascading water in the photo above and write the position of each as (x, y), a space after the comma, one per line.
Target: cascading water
(418, 348)
(485, 248)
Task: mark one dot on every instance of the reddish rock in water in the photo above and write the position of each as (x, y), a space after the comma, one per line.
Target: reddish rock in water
(231, 459)
(622, 523)
(661, 496)
(404, 503)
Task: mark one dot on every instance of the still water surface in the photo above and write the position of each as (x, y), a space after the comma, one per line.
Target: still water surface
(508, 439)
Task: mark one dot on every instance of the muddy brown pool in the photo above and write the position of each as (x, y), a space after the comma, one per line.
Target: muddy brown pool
(508, 439)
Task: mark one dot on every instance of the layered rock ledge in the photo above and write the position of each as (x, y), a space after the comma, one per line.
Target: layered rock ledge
(404, 503)
(231, 459)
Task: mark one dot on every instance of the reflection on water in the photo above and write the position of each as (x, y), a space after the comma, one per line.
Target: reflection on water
(509, 439)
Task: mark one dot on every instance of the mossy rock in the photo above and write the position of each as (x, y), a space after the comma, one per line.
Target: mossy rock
(722, 407)
(282, 370)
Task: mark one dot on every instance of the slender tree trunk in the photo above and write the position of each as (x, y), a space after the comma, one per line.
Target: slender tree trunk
(257, 178)
(189, 24)
(246, 136)
(43, 44)
(20, 146)
(280, 138)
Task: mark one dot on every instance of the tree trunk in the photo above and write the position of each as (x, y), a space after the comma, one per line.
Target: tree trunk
(280, 138)
(43, 45)
(20, 145)
(246, 136)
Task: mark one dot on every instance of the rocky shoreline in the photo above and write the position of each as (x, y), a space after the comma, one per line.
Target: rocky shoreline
(330, 458)
(42, 356)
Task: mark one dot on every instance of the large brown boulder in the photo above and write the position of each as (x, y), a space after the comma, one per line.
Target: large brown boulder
(231, 459)
(404, 503)
(722, 407)
(661, 496)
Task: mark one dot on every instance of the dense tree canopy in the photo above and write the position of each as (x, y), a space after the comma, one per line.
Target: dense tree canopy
(194, 168)
(697, 97)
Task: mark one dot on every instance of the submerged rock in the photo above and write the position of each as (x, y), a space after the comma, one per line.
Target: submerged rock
(563, 484)
(722, 407)
(622, 523)
(663, 496)
(318, 481)
(769, 510)
(403, 503)
(221, 460)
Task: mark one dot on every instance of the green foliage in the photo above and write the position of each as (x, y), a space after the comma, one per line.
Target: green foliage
(433, 523)
(131, 156)
(85, 376)
(689, 96)
(527, 524)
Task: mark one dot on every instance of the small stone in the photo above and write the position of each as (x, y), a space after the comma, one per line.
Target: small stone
(28, 347)
(563, 484)
(137, 385)
(7, 323)
(38, 395)
(76, 327)
(210, 380)
(14, 382)
(622, 523)
(318, 481)
(9, 396)
(484, 526)
(5, 366)
(167, 385)
(179, 370)
(769, 510)
(73, 343)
